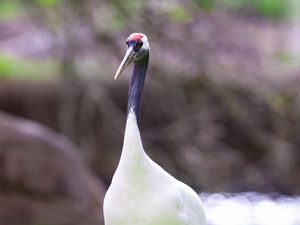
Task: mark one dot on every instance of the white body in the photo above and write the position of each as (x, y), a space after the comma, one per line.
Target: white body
(142, 193)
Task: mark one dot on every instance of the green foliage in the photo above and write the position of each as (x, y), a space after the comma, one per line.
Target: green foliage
(272, 8)
(5, 66)
(279, 102)
(8, 9)
(46, 3)
(180, 14)
(206, 4)
(20, 68)
(284, 56)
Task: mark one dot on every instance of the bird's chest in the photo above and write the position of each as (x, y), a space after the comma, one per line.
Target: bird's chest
(142, 198)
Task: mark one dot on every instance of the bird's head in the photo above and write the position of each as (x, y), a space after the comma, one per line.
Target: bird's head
(138, 48)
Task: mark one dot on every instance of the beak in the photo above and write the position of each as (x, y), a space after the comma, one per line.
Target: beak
(128, 58)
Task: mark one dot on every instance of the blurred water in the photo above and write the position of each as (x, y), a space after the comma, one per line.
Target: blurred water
(251, 209)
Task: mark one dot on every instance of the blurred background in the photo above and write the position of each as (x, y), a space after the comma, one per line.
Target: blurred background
(220, 107)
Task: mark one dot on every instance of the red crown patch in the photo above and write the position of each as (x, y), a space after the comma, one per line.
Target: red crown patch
(135, 37)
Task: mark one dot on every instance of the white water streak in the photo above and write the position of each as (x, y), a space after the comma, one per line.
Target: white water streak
(251, 209)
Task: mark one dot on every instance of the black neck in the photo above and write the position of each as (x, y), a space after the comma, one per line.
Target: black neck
(136, 86)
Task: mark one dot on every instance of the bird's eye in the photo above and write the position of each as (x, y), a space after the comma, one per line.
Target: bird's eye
(139, 44)
(126, 42)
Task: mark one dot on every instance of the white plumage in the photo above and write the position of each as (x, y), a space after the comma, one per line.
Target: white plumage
(142, 193)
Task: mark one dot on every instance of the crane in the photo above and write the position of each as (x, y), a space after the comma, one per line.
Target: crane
(141, 192)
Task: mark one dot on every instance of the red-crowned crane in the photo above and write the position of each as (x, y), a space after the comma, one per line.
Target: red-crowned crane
(141, 192)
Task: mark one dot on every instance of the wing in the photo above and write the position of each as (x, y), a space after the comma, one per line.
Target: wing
(192, 205)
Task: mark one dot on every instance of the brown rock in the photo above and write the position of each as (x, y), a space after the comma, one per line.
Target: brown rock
(42, 178)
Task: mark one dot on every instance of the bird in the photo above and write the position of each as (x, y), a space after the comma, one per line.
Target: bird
(142, 192)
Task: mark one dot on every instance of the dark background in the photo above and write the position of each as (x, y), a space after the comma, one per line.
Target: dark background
(220, 108)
